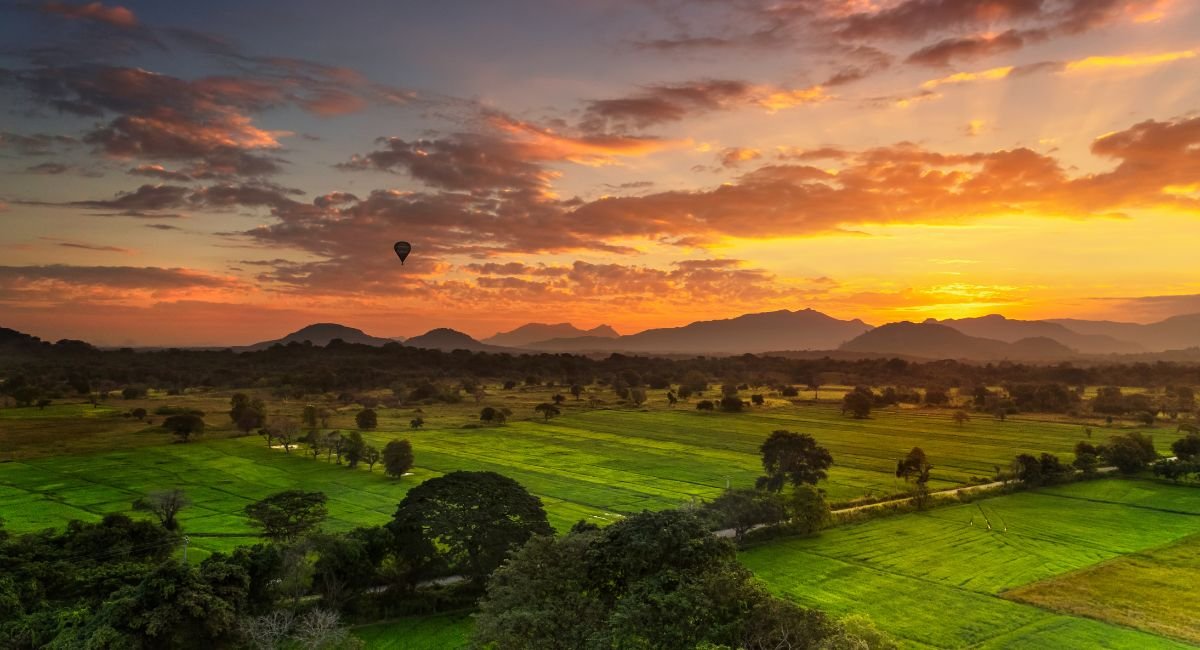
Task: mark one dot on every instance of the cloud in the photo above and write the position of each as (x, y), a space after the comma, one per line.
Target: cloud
(84, 246)
(1098, 63)
(914, 19)
(59, 283)
(48, 168)
(735, 156)
(685, 282)
(38, 144)
(115, 15)
(665, 103)
(992, 74)
(968, 48)
(145, 199)
(495, 268)
(209, 121)
(508, 155)
(470, 162)
(159, 172)
(962, 29)
(1087, 64)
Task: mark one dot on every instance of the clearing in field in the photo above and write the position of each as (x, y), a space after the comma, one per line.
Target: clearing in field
(1143, 590)
(936, 578)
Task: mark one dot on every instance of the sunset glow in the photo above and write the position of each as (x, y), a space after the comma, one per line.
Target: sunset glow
(211, 175)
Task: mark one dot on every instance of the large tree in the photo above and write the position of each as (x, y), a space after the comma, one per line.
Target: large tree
(1187, 448)
(164, 505)
(246, 413)
(287, 515)
(184, 425)
(1130, 453)
(397, 458)
(468, 521)
(858, 403)
(366, 419)
(540, 599)
(547, 409)
(355, 449)
(793, 457)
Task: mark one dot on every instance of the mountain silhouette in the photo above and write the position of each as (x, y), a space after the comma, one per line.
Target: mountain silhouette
(805, 329)
(321, 334)
(536, 332)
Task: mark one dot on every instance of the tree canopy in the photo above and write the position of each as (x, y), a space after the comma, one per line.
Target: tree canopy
(467, 521)
(793, 457)
(287, 515)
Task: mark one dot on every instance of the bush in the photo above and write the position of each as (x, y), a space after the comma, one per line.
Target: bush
(732, 404)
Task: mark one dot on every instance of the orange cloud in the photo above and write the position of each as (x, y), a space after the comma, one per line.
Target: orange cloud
(116, 15)
(968, 77)
(1097, 63)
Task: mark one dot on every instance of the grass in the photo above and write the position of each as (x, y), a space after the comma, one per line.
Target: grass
(1146, 591)
(441, 632)
(935, 579)
(220, 478)
(590, 463)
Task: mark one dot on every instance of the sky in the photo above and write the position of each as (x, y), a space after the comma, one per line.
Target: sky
(218, 172)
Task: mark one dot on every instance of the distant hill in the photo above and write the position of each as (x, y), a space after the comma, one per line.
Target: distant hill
(448, 340)
(1008, 330)
(1175, 333)
(805, 329)
(531, 333)
(321, 334)
(936, 341)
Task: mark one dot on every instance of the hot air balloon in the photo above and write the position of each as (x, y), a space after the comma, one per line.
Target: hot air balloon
(402, 249)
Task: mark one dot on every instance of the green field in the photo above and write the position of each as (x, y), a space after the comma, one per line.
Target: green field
(1143, 590)
(442, 632)
(934, 579)
(220, 478)
(937, 579)
(589, 463)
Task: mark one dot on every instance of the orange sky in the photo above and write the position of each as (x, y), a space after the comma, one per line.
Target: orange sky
(227, 174)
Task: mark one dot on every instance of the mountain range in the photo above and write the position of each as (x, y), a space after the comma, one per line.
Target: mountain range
(935, 341)
(805, 329)
(803, 333)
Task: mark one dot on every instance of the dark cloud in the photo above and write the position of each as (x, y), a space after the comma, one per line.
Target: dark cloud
(964, 29)
(38, 144)
(465, 162)
(159, 172)
(145, 199)
(662, 103)
(114, 15)
(85, 246)
(969, 48)
(48, 168)
(505, 155)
